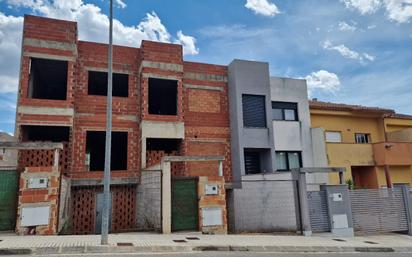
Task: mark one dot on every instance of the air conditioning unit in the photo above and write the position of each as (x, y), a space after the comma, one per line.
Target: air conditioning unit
(35, 183)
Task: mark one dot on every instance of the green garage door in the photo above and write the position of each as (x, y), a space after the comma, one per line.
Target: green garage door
(184, 205)
(8, 198)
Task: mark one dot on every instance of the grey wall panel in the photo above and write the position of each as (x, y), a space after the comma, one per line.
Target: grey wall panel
(264, 206)
(149, 201)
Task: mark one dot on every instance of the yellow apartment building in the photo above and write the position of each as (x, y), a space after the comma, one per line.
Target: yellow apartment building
(373, 144)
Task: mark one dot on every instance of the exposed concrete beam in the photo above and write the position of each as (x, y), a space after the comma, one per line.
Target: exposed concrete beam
(158, 76)
(55, 111)
(192, 158)
(31, 145)
(121, 71)
(99, 182)
(203, 87)
(49, 44)
(50, 56)
(205, 77)
(162, 66)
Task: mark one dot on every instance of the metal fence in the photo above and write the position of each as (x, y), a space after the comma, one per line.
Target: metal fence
(318, 211)
(378, 210)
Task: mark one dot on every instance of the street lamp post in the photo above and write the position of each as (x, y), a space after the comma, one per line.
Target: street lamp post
(106, 183)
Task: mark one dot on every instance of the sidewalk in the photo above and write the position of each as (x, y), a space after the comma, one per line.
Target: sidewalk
(187, 242)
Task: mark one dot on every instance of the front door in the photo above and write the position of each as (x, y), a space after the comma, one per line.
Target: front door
(99, 213)
(8, 199)
(184, 205)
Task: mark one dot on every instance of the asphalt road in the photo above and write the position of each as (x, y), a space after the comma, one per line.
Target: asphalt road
(234, 254)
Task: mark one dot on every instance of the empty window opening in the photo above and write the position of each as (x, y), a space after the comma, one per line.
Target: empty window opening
(45, 133)
(254, 111)
(95, 150)
(285, 111)
(162, 96)
(160, 144)
(157, 148)
(47, 79)
(97, 84)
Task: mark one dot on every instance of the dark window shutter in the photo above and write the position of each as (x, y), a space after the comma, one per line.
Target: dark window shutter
(254, 114)
(252, 162)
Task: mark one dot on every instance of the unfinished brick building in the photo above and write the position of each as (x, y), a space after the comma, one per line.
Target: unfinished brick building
(162, 105)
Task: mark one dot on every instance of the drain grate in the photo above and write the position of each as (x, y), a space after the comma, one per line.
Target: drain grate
(124, 244)
(339, 240)
(371, 242)
(192, 238)
(179, 241)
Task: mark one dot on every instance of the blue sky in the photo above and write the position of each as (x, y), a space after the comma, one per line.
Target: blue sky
(350, 51)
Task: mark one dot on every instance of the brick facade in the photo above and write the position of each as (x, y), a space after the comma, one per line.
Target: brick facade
(202, 105)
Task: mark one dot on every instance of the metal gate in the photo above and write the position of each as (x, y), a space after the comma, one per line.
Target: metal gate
(378, 210)
(184, 204)
(318, 211)
(8, 199)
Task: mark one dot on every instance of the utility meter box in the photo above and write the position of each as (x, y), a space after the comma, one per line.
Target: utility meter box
(36, 183)
(211, 189)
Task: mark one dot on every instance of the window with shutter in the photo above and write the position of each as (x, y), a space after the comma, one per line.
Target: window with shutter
(254, 112)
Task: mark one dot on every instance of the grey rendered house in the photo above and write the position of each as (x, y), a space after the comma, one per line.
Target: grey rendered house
(271, 134)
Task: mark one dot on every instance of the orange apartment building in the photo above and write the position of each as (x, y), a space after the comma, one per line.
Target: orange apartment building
(373, 144)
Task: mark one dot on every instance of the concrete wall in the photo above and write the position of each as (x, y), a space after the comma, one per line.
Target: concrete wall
(265, 203)
(295, 91)
(248, 77)
(149, 201)
(319, 159)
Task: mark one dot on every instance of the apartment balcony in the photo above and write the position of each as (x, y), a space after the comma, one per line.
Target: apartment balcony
(390, 153)
(350, 154)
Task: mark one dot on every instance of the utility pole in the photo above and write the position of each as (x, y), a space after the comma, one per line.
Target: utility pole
(108, 146)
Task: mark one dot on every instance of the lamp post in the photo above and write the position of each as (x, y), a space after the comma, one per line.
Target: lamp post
(107, 155)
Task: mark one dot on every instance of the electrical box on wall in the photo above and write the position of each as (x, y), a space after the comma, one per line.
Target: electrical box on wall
(35, 216)
(337, 197)
(37, 183)
(211, 189)
(212, 216)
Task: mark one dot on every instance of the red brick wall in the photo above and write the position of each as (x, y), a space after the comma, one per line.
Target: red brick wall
(91, 110)
(207, 130)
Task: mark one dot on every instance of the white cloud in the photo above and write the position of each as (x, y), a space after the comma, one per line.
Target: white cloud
(91, 23)
(343, 26)
(323, 80)
(188, 43)
(10, 44)
(399, 11)
(347, 53)
(262, 7)
(369, 57)
(363, 6)
(121, 4)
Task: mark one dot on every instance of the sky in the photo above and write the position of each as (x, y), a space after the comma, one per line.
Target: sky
(350, 51)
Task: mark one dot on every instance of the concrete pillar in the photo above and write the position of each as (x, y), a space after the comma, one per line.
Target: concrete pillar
(408, 203)
(303, 203)
(166, 198)
(56, 158)
(143, 156)
(220, 169)
(339, 209)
